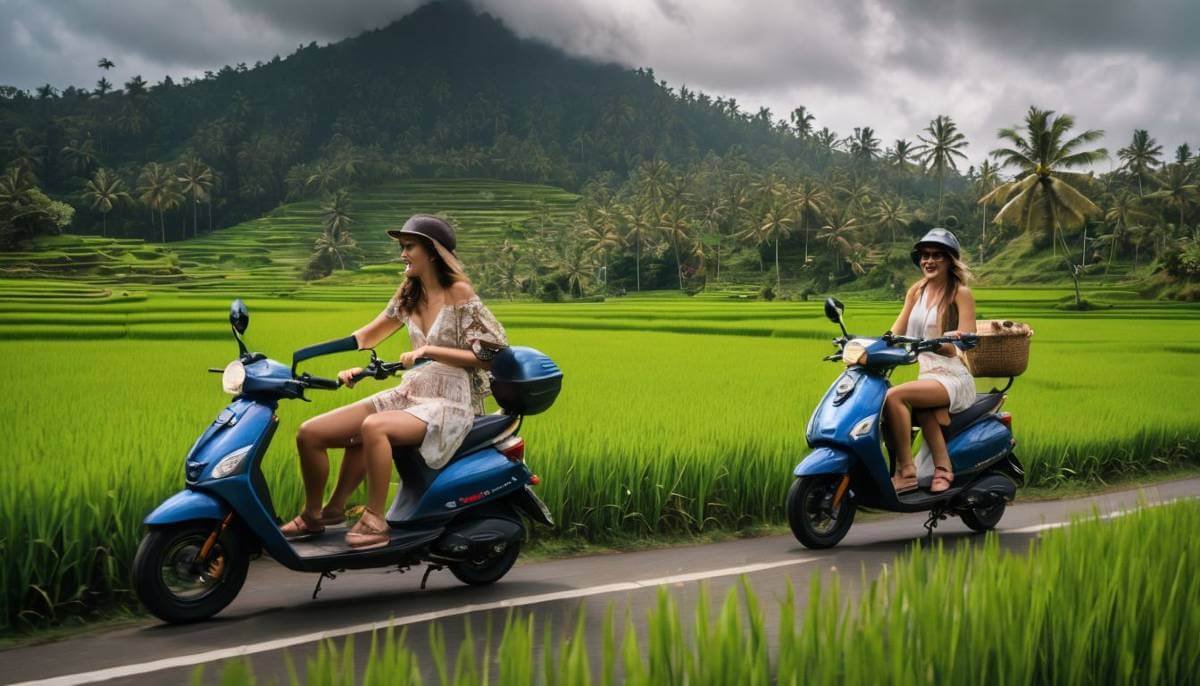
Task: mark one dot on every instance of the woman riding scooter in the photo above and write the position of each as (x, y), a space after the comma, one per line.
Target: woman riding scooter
(939, 302)
(434, 405)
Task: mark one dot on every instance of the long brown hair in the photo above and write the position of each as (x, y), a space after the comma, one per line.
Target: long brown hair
(447, 268)
(957, 275)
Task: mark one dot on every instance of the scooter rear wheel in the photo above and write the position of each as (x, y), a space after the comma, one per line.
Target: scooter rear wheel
(174, 586)
(811, 514)
(487, 571)
(983, 518)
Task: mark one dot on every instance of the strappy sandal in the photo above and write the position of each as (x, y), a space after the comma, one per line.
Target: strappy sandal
(302, 527)
(370, 532)
(332, 520)
(905, 484)
(944, 475)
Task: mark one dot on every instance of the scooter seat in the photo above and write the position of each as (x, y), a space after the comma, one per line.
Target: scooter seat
(985, 404)
(415, 473)
(485, 428)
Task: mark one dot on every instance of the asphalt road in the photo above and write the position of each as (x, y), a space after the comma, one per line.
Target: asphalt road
(275, 614)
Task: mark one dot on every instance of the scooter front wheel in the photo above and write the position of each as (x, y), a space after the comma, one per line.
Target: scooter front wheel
(175, 584)
(811, 513)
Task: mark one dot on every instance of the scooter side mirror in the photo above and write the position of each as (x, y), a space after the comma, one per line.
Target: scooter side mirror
(239, 317)
(833, 310)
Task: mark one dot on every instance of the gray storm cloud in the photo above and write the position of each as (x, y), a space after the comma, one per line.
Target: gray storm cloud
(889, 65)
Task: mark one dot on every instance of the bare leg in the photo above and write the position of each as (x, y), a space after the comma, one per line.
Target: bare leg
(350, 475)
(330, 430)
(930, 396)
(899, 422)
(931, 431)
(380, 432)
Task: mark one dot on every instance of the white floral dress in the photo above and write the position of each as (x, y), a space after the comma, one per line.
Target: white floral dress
(445, 397)
(950, 372)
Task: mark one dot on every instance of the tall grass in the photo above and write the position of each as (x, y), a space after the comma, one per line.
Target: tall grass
(1097, 602)
(675, 431)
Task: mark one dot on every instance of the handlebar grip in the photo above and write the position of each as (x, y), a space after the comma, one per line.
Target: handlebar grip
(322, 382)
(364, 374)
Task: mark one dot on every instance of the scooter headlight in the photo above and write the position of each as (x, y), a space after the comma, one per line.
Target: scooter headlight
(233, 377)
(231, 463)
(854, 353)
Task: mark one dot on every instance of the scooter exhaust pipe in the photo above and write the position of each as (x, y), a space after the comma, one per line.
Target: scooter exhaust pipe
(479, 539)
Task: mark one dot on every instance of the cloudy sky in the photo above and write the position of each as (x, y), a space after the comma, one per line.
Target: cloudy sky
(889, 64)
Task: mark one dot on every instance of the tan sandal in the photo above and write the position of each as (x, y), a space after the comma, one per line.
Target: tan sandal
(905, 483)
(940, 475)
(332, 520)
(370, 532)
(302, 527)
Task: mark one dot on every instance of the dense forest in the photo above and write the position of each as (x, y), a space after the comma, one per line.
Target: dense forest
(677, 185)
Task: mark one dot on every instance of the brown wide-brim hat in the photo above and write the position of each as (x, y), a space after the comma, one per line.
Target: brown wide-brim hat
(428, 226)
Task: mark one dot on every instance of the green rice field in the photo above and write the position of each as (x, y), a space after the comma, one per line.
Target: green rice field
(1013, 618)
(678, 415)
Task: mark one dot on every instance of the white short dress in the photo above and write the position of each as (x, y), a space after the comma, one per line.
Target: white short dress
(445, 397)
(950, 372)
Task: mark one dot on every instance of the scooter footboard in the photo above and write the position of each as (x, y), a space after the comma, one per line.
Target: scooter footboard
(824, 460)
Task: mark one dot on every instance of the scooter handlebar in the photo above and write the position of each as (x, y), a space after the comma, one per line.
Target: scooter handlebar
(320, 382)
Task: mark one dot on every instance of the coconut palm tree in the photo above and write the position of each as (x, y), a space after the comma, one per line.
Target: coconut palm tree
(938, 150)
(840, 232)
(892, 215)
(986, 181)
(103, 86)
(1141, 156)
(337, 212)
(601, 236)
(807, 200)
(195, 181)
(802, 122)
(863, 145)
(105, 63)
(676, 226)
(103, 192)
(1177, 188)
(82, 154)
(639, 222)
(155, 186)
(1124, 211)
(1041, 198)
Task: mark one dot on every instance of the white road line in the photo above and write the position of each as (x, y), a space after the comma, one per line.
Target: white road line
(280, 643)
(1111, 515)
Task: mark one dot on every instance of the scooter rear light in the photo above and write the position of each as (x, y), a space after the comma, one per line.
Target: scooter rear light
(1005, 419)
(535, 480)
(513, 448)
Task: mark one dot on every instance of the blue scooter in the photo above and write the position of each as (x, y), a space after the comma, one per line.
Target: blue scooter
(847, 469)
(466, 517)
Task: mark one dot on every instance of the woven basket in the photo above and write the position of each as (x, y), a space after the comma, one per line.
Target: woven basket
(1000, 352)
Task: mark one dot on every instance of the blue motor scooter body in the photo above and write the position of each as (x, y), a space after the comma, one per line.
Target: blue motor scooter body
(474, 480)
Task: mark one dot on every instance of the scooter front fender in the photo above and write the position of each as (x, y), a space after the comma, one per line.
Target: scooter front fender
(185, 506)
(824, 460)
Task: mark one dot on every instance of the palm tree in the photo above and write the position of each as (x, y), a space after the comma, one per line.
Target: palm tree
(155, 186)
(1178, 188)
(1124, 212)
(985, 183)
(103, 86)
(1041, 198)
(1183, 154)
(640, 223)
(196, 181)
(840, 232)
(81, 154)
(676, 226)
(601, 236)
(105, 63)
(807, 200)
(892, 214)
(103, 192)
(1141, 155)
(938, 150)
(863, 145)
(802, 122)
(337, 212)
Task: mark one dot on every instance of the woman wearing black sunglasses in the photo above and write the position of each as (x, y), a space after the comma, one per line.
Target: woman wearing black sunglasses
(939, 304)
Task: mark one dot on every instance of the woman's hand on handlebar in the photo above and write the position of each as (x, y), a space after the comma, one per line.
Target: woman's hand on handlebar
(409, 359)
(346, 376)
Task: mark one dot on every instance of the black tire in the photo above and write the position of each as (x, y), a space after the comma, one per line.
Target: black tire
(983, 518)
(810, 511)
(487, 571)
(164, 568)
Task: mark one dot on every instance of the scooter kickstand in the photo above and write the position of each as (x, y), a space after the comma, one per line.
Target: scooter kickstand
(429, 570)
(324, 575)
(935, 516)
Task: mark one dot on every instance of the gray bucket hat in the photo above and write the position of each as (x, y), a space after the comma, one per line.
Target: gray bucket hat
(427, 226)
(936, 237)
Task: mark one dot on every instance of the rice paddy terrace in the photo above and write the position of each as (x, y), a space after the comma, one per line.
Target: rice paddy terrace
(267, 255)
